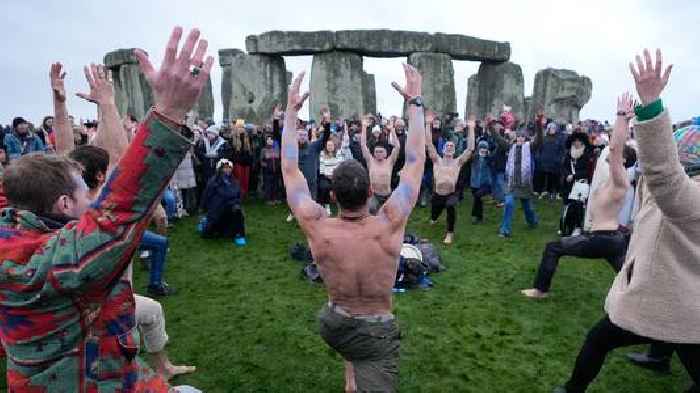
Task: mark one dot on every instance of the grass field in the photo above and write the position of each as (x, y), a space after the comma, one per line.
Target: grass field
(248, 322)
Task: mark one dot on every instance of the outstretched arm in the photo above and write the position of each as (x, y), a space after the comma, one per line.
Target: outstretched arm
(363, 140)
(625, 111)
(674, 192)
(400, 204)
(63, 129)
(471, 141)
(110, 134)
(395, 146)
(298, 196)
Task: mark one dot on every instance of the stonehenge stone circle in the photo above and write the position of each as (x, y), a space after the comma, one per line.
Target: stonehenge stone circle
(132, 92)
(498, 85)
(369, 93)
(336, 82)
(251, 85)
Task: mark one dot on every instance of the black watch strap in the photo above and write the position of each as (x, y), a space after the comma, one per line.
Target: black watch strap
(417, 101)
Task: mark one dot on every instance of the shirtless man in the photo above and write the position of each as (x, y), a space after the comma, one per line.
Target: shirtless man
(445, 175)
(605, 240)
(380, 166)
(357, 253)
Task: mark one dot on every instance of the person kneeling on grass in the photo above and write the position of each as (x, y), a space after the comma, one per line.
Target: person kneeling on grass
(222, 202)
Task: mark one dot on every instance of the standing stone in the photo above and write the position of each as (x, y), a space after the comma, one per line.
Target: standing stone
(561, 93)
(132, 92)
(336, 83)
(438, 80)
(528, 109)
(369, 93)
(472, 96)
(501, 84)
(251, 85)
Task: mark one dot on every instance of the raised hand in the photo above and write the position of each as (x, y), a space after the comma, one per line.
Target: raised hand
(625, 106)
(471, 121)
(57, 76)
(294, 100)
(414, 82)
(429, 117)
(647, 77)
(176, 88)
(100, 82)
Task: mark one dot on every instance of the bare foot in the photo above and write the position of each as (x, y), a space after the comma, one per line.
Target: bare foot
(534, 293)
(448, 238)
(433, 222)
(172, 370)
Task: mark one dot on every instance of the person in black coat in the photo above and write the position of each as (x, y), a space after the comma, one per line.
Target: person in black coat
(576, 167)
(222, 202)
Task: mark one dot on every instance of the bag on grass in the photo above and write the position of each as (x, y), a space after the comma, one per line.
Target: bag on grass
(430, 257)
(311, 273)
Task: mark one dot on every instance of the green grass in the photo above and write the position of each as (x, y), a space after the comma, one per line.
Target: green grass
(248, 322)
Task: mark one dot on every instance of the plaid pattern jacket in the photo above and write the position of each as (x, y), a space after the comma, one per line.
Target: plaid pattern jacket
(66, 315)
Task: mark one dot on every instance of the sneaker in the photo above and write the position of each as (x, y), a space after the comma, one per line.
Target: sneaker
(163, 289)
(500, 205)
(558, 197)
(145, 254)
(477, 220)
(290, 218)
(541, 196)
(576, 232)
(643, 360)
(240, 241)
(504, 235)
(433, 222)
(534, 293)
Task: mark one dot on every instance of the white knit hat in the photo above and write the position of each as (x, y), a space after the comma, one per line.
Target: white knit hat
(222, 162)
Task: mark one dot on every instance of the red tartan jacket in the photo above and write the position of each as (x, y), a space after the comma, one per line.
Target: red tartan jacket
(66, 316)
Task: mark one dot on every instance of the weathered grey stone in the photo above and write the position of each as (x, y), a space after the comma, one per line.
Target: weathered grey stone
(438, 80)
(336, 82)
(251, 85)
(561, 93)
(369, 93)
(132, 92)
(290, 43)
(500, 84)
(527, 109)
(472, 105)
(290, 77)
(377, 43)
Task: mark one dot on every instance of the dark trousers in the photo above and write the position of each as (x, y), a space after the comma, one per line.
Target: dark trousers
(229, 224)
(478, 204)
(605, 337)
(661, 351)
(545, 181)
(608, 245)
(324, 190)
(272, 188)
(442, 202)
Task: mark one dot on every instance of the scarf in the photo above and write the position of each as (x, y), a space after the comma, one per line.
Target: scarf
(525, 164)
(577, 153)
(212, 151)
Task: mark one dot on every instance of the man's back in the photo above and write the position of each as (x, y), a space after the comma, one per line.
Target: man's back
(358, 261)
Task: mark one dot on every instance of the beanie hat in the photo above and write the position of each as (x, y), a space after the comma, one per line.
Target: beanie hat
(688, 143)
(213, 130)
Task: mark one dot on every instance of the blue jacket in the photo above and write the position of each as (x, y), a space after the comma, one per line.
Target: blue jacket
(220, 194)
(15, 147)
(551, 154)
(481, 173)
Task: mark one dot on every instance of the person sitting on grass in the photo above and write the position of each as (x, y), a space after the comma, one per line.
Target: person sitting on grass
(605, 239)
(222, 202)
(357, 252)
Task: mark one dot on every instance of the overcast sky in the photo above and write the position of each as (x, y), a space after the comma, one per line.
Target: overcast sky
(596, 39)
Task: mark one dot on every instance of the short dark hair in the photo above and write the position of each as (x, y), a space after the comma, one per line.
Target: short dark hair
(629, 155)
(381, 145)
(94, 160)
(350, 185)
(35, 181)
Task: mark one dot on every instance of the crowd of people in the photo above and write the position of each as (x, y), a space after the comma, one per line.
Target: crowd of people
(81, 197)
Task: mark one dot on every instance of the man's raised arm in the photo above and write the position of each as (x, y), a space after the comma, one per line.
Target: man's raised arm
(366, 154)
(400, 204)
(471, 141)
(625, 111)
(395, 145)
(63, 128)
(298, 196)
(110, 133)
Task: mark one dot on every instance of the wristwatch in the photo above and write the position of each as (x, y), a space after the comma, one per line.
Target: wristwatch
(417, 101)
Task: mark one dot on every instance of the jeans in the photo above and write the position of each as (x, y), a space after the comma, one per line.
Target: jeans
(604, 338)
(170, 203)
(507, 223)
(498, 181)
(157, 246)
(610, 245)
